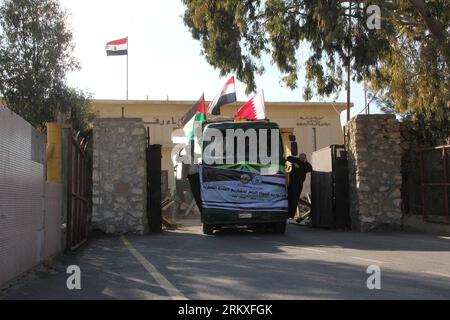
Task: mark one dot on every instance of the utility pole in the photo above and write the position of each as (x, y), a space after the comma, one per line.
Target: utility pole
(365, 97)
(349, 57)
(128, 47)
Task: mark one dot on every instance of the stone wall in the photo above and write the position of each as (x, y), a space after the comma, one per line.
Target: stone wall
(375, 180)
(119, 176)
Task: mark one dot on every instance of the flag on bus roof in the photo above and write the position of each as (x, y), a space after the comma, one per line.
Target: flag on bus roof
(227, 95)
(117, 47)
(193, 118)
(254, 109)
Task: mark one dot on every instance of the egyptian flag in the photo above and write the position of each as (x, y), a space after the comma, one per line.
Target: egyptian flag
(117, 47)
(227, 95)
(254, 109)
(193, 118)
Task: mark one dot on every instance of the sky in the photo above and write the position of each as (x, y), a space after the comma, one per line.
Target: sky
(164, 60)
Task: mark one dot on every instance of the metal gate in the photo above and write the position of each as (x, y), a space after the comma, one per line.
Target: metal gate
(77, 191)
(435, 183)
(153, 155)
(329, 188)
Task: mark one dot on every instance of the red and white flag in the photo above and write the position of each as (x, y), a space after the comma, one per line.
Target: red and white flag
(254, 109)
(117, 47)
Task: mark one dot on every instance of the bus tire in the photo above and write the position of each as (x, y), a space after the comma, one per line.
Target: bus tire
(208, 229)
(280, 227)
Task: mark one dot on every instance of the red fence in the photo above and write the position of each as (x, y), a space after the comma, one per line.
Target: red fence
(77, 192)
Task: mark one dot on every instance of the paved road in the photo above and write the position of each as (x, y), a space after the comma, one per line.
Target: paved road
(303, 264)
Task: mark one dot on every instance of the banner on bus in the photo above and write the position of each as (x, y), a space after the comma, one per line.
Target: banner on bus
(240, 190)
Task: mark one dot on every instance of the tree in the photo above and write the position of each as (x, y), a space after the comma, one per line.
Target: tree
(406, 60)
(236, 33)
(75, 106)
(413, 78)
(35, 56)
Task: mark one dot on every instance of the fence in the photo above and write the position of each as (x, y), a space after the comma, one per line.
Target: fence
(435, 183)
(30, 208)
(427, 184)
(77, 192)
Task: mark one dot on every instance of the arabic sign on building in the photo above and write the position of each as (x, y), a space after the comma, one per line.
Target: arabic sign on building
(312, 122)
(157, 121)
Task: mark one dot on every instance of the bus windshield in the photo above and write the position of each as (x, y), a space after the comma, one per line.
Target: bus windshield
(238, 147)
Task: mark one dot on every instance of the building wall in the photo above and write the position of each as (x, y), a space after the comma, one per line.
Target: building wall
(119, 176)
(30, 218)
(53, 243)
(161, 118)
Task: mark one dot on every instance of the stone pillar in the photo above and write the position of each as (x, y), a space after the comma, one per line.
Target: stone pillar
(375, 180)
(119, 176)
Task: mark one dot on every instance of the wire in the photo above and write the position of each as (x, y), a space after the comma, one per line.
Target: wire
(368, 103)
(337, 112)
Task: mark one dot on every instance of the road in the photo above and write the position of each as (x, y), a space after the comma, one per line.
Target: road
(303, 264)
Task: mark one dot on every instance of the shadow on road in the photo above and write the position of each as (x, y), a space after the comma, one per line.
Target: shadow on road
(238, 264)
(301, 235)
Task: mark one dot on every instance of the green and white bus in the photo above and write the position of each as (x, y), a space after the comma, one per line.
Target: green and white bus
(241, 179)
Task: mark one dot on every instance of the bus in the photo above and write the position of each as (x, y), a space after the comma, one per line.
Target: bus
(241, 179)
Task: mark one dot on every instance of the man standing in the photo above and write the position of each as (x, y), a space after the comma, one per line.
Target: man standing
(297, 176)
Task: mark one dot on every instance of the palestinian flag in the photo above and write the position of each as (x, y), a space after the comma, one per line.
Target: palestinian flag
(117, 47)
(227, 95)
(193, 118)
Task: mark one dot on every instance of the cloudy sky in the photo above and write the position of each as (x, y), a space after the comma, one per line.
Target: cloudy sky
(164, 60)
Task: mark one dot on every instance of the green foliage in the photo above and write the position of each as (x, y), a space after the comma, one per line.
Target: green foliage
(235, 34)
(406, 61)
(35, 56)
(425, 126)
(431, 127)
(413, 77)
(76, 108)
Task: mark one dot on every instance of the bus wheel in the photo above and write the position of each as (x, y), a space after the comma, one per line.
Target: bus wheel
(208, 229)
(280, 227)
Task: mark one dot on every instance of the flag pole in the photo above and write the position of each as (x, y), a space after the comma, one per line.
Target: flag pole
(235, 92)
(264, 101)
(128, 48)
